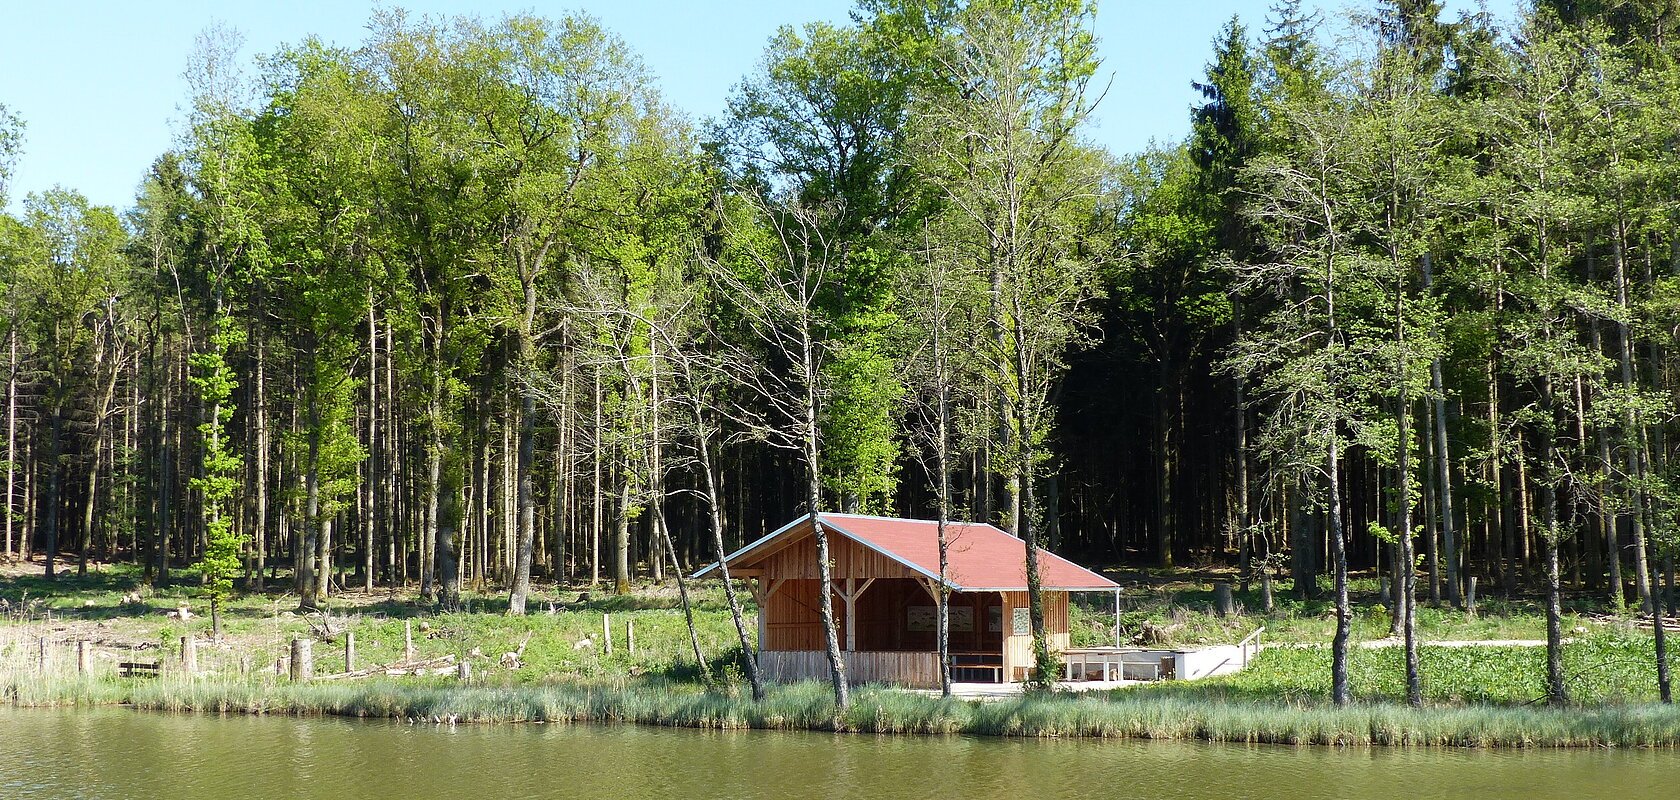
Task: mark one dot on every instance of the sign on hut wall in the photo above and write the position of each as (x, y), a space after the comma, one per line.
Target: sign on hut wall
(1022, 622)
(926, 618)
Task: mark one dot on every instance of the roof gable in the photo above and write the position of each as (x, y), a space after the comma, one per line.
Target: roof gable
(981, 557)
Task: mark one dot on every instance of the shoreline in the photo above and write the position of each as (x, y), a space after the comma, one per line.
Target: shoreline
(881, 711)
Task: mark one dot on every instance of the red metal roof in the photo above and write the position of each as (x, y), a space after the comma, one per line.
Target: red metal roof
(982, 557)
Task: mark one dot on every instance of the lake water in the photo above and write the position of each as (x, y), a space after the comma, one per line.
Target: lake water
(116, 753)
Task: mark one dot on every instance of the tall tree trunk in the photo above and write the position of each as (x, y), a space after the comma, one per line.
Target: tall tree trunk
(1557, 692)
(371, 511)
(50, 501)
(1244, 514)
(526, 501)
(1443, 461)
(1166, 464)
(942, 455)
(1339, 689)
(1405, 564)
(309, 579)
(810, 430)
(596, 457)
(621, 532)
(1632, 431)
(11, 440)
(430, 540)
(259, 421)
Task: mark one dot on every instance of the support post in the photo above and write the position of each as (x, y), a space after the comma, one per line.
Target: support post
(303, 662)
(851, 614)
(1116, 617)
(761, 598)
(630, 636)
(849, 596)
(349, 651)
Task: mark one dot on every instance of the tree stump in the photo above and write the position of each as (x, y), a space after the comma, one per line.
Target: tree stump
(606, 631)
(1222, 600)
(189, 655)
(1470, 598)
(349, 651)
(84, 658)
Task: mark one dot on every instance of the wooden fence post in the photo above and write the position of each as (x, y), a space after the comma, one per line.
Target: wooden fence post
(630, 636)
(349, 651)
(303, 663)
(1470, 599)
(43, 656)
(84, 658)
(606, 631)
(189, 654)
(408, 640)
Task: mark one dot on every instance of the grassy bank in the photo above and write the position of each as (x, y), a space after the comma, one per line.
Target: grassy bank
(1482, 696)
(808, 707)
(1607, 667)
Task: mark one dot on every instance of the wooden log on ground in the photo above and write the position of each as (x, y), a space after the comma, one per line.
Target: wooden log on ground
(442, 665)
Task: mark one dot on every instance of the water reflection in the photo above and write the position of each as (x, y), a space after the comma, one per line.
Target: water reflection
(114, 753)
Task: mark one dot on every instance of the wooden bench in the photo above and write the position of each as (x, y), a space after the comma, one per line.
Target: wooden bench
(990, 664)
(137, 669)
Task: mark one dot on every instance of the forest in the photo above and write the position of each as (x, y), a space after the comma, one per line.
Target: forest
(469, 304)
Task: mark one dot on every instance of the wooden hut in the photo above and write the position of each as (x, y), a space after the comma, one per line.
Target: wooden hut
(885, 578)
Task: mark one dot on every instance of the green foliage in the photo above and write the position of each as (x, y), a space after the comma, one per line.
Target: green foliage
(11, 142)
(218, 482)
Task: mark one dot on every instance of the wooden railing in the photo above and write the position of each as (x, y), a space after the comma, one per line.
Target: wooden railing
(902, 668)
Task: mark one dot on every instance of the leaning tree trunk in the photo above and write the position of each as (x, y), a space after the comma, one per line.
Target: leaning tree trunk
(704, 451)
(682, 591)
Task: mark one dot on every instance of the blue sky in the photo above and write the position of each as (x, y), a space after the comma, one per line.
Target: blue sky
(99, 83)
